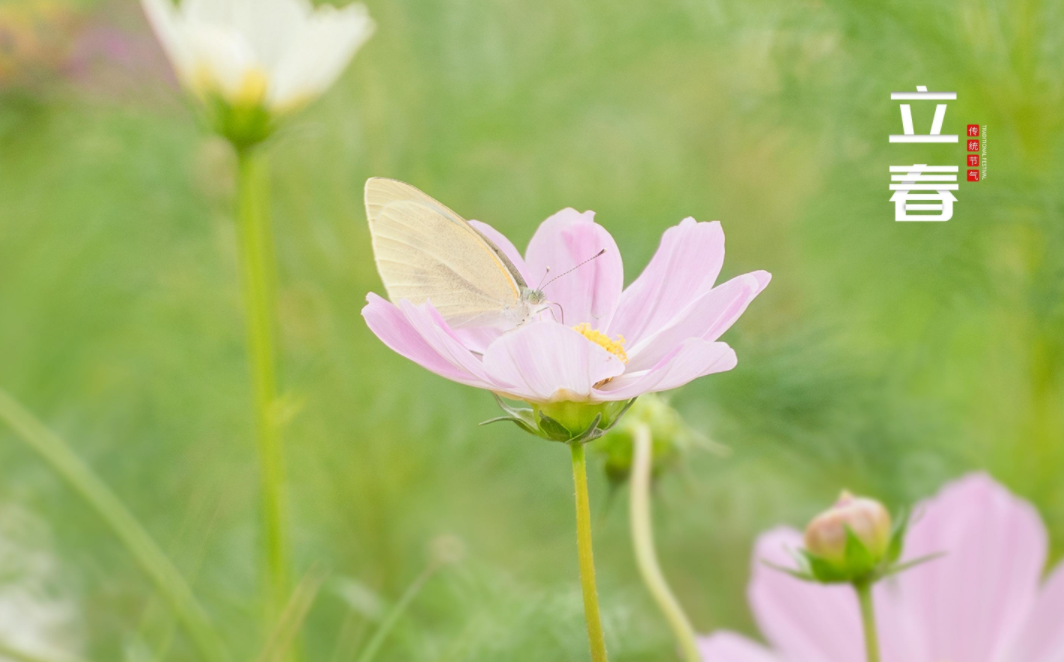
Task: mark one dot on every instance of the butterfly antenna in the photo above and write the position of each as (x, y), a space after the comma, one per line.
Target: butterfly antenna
(545, 274)
(565, 273)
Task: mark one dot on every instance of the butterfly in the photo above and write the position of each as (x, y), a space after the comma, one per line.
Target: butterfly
(426, 252)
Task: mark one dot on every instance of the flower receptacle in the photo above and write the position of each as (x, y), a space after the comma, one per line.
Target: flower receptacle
(565, 421)
(243, 125)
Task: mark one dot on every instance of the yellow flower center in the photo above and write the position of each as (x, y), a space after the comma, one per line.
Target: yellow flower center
(252, 89)
(249, 94)
(615, 347)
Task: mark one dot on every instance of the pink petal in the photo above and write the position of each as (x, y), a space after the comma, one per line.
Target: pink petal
(477, 338)
(504, 244)
(546, 361)
(684, 267)
(707, 317)
(970, 603)
(1042, 638)
(694, 358)
(393, 327)
(429, 323)
(806, 622)
(731, 647)
(590, 293)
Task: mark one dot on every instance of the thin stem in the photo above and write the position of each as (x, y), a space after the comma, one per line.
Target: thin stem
(868, 619)
(280, 642)
(643, 541)
(369, 653)
(53, 450)
(587, 558)
(257, 263)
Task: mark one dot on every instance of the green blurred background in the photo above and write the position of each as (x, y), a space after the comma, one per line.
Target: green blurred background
(885, 357)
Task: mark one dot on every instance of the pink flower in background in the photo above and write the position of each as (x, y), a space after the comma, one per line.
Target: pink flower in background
(984, 601)
(659, 333)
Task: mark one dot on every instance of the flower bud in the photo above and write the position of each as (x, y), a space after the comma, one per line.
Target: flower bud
(867, 520)
(670, 435)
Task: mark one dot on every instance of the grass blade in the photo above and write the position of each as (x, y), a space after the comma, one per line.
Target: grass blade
(169, 582)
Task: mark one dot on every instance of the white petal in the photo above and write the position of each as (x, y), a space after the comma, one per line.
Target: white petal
(169, 30)
(317, 55)
(223, 56)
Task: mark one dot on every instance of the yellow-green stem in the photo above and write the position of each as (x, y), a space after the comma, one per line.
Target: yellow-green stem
(257, 268)
(169, 582)
(643, 541)
(587, 558)
(868, 620)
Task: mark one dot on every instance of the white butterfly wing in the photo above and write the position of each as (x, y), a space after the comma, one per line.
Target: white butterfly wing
(425, 251)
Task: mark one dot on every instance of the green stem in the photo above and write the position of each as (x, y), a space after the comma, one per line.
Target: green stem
(587, 558)
(140, 544)
(257, 266)
(868, 619)
(643, 541)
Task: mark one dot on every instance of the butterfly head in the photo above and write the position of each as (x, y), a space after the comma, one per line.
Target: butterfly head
(533, 296)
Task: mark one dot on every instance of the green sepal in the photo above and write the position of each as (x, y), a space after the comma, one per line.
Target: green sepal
(517, 421)
(824, 571)
(243, 126)
(909, 565)
(859, 560)
(552, 429)
(858, 566)
(592, 432)
(897, 536)
(803, 575)
(535, 421)
(619, 414)
(523, 418)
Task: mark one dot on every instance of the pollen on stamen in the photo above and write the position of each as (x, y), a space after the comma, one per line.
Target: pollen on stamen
(615, 347)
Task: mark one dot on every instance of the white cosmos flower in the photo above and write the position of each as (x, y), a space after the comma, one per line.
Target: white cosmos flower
(271, 54)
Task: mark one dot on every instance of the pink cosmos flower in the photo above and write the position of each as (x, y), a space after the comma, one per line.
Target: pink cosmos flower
(984, 601)
(615, 343)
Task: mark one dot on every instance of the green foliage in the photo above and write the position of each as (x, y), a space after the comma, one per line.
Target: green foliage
(887, 357)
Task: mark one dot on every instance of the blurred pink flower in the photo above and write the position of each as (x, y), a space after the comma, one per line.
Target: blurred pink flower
(983, 602)
(659, 333)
